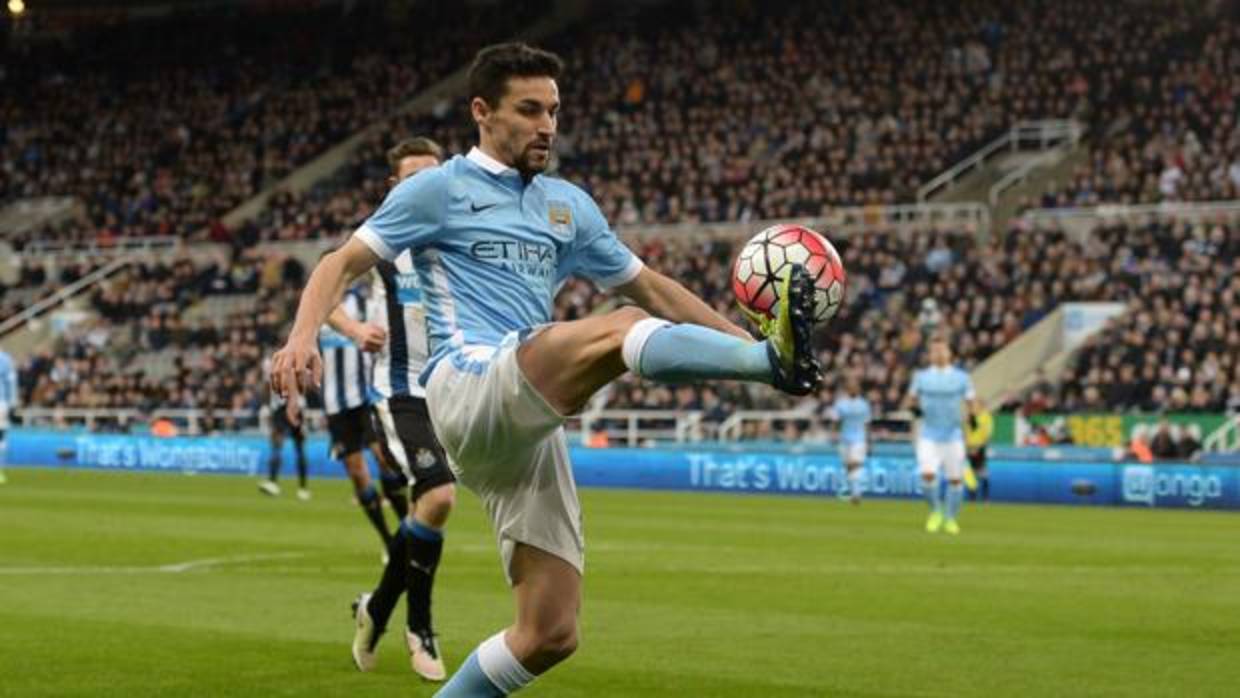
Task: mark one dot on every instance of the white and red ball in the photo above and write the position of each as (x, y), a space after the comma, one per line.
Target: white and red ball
(768, 257)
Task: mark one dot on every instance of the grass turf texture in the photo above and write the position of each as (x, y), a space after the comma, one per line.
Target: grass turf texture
(685, 595)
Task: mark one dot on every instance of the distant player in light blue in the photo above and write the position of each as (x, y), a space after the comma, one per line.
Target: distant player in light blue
(852, 411)
(492, 238)
(941, 394)
(8, 400)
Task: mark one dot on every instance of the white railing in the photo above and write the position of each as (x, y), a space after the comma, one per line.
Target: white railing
(1036, 135)
(1188, 211)
(844, 220)
(1019, 175)
(120, 245)
(687, 426)
(733, 428)
(60, 296)
(192, 418)
(1225, 439)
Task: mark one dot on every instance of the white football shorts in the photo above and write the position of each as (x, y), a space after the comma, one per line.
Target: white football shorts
(853, 453)
(948, 455)
(507, 444)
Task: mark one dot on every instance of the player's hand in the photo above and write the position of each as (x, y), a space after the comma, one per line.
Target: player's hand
(295, 370)
(292, 410)
(370, 337)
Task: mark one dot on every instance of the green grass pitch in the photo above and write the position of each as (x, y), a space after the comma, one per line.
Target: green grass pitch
(166, 585)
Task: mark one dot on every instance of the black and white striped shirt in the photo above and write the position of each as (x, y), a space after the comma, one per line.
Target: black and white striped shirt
(346, 368)
(396, 304)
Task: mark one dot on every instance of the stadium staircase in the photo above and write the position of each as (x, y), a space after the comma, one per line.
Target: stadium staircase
(1042, 352)
(999, 174)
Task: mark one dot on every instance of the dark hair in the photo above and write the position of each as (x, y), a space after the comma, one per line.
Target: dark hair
(413, 146)
(494, 65)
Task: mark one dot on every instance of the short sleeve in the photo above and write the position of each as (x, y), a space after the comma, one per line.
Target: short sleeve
(912, 386)
(598, 254)
(865, 410)
(969, 393)
(410, 216)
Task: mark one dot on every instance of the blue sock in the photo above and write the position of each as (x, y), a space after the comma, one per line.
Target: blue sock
(931, 490)
(686, 353)
(417, 529)
(469, 681)
(955, 494)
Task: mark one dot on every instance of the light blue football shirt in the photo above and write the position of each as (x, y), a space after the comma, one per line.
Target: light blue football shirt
(490, 249)
(940, 392)
(853, 414)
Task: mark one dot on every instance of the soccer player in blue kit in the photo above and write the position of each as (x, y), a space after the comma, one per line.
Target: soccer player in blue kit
(492, 239)
(852, 411)
(941, 393)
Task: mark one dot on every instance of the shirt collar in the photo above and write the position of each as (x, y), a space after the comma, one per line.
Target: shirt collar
(487, 162)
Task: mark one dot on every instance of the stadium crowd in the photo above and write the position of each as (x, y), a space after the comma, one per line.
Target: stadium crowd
(160, 130)
(688, 123)
(212, 361)
(1174, 136)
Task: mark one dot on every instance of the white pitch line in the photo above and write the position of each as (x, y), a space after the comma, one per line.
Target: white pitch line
(173, 568)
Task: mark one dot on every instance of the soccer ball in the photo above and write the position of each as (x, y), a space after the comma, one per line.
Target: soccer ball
(768, 257)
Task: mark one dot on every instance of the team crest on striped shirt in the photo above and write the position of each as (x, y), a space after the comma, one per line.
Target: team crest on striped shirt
(560, 216)
(425, 458)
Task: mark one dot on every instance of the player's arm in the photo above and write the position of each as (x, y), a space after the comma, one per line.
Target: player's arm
(664, 298)
(370, 337)
(912, 402)
(408, 217)
(298, 366)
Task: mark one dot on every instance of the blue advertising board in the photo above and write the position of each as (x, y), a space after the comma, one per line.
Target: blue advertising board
(1084, 482)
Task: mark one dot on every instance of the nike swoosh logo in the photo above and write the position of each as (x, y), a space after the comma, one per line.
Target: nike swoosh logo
(479, 209)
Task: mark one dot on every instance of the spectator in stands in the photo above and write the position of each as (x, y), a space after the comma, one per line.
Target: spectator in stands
(1139, 445)
(1163, 445)
(1189, 445)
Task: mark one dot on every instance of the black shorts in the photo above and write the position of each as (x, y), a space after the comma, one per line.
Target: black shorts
(977, 460)
(281, 426)
(408, 441)
(350, 431)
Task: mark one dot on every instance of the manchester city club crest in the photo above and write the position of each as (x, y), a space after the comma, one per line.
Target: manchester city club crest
(560, 216)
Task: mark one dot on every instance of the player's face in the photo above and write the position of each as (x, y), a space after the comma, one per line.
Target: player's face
(521, 128)
(411, 165)
(940, 355)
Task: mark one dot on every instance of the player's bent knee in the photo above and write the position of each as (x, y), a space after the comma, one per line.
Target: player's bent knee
(623, 319)
(558, 642)
(434, 505)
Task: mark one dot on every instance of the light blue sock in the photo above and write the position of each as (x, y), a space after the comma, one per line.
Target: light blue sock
(955, 495)
(469, 682)
(669, 353)
(931, 491)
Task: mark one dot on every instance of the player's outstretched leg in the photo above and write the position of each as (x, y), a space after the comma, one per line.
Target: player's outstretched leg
(548, 595)
(568, 362)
